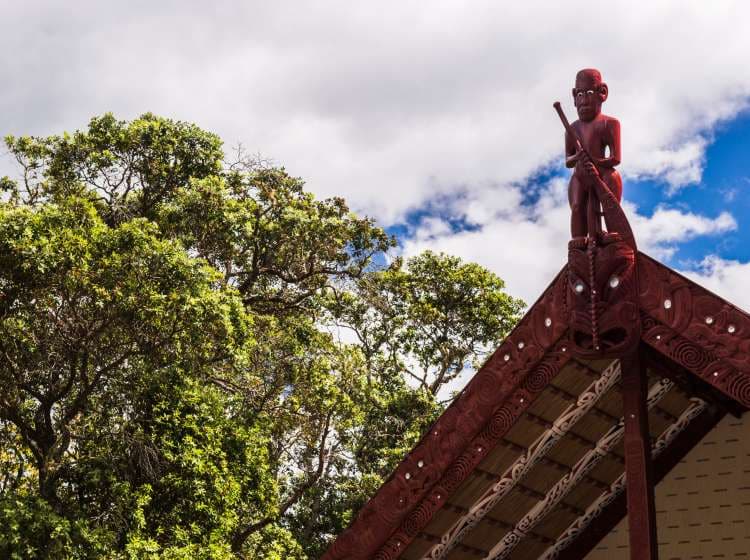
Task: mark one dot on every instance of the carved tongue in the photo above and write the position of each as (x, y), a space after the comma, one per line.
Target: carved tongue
(591, 251)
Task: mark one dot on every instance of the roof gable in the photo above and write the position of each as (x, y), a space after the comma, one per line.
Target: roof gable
(684, 327)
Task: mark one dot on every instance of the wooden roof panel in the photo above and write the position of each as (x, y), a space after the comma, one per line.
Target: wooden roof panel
(501, 456)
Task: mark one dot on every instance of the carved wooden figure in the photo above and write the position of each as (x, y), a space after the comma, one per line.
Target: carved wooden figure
(601, 299)
(592, 150)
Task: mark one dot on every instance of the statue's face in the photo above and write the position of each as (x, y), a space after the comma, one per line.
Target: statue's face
(588, 96)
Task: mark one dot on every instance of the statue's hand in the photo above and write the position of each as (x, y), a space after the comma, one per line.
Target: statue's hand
(589, 167)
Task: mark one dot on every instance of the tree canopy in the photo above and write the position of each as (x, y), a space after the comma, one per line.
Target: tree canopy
(202, 360)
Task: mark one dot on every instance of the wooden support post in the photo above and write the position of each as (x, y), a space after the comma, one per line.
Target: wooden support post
(640, 485)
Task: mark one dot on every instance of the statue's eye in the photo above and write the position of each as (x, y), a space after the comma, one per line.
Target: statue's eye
(579, 94)
(590, 92)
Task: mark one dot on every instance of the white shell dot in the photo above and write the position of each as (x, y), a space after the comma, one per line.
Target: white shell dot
(731, 329)
(564, 349)
(667, 303)
(520, 400)
(614, 282)
(521, 345)
(579, 288)
(716, 374)
(658, 337)
(420, 464)
(407, 476)
(438, 496)
(479, 449)
(506, 357)
(548, 322)
(709, 320)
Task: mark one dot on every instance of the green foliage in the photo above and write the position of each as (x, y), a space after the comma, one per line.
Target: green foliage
(173, 327)
(431, 318)
(127, 168)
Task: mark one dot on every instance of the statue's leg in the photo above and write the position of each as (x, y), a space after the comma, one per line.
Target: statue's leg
(578, 199)
(593, 218)
(614, 184)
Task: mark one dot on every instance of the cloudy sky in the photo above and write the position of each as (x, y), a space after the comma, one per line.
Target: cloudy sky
(434, 117)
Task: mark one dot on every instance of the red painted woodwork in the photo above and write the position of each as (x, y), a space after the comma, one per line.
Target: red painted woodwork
(640, 485)
(695, 328)
(604, 303)
(592, 148)
(601, 300)
(602, 295)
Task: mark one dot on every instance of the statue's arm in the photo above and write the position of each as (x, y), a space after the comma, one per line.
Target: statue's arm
(612, 139)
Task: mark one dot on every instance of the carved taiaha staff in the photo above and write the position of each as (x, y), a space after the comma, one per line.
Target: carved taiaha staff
(566, 124)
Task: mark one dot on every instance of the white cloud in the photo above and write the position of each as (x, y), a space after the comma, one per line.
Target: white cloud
(386, 103)
(391, 104)
(526, 244)
(660, 233)
(727, 278)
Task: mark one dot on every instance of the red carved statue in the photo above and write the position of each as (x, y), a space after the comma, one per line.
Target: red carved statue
(598, 152)
(601, 294)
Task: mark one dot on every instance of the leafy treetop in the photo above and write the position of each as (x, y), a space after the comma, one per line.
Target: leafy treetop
(202, 360)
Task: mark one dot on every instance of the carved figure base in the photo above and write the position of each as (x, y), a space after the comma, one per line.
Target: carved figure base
(602, 296)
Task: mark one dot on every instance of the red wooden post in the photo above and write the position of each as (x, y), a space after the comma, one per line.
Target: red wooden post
(640, 485)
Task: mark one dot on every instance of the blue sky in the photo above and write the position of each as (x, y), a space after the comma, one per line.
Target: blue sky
(723, 188)
(435, 118)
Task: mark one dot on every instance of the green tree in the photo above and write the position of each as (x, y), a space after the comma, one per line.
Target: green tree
(202, 360)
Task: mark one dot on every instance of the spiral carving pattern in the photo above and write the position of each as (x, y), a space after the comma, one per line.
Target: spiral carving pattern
(647, 322)
(690, 355)
(501, 422)
(739, 388)
(384, 555)
(459, 470)
(417, 519)
(540, 377)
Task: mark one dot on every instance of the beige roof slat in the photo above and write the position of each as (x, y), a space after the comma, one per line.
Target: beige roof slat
(525, 462)
(696, 408)
(605, 444)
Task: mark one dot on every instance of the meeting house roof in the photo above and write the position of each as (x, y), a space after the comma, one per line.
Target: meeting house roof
(529, 461)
